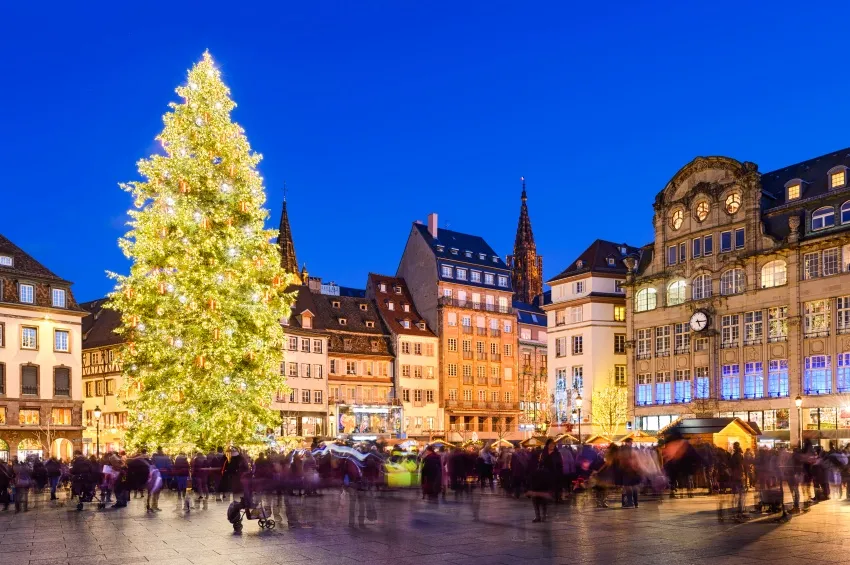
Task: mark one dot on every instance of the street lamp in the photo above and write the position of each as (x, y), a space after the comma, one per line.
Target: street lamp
(799, 403)
(97, 415)
(578, 404)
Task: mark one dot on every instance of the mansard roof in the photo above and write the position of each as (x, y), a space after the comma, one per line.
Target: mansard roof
(394, 318)
(100, 325)
(447, 240)
(595, 258)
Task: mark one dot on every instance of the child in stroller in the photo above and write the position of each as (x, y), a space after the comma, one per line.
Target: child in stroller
(248, 507)
(84, 481)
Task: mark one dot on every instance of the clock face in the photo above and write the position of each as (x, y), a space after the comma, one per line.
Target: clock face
(699, 321)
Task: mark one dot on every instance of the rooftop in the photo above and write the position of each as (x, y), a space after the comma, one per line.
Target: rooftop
(601, 257)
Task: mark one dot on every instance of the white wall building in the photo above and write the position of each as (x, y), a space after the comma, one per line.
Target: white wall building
(586, 338)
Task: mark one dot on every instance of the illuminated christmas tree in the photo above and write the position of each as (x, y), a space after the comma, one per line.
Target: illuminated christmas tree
(202, 305)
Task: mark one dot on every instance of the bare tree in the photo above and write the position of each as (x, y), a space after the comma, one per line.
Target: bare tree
(45, 434)
(702, 405)
(610, 409)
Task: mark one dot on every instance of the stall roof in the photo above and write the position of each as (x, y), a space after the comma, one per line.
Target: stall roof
(693, 426)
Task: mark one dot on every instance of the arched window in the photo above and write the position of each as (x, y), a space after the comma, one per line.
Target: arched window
(774, 274)
(823, 218)
(676, 293)
(703, 207)
(701, 287)
(646, 299)
(732, 281)
(845, 213)
(733, 202)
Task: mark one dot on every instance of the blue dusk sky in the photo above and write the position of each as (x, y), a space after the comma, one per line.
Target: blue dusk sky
(377, 113)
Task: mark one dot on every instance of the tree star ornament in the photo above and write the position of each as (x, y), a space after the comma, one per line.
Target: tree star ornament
(181, 364)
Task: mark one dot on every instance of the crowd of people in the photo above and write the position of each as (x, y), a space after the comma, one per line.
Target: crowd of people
(546, 474)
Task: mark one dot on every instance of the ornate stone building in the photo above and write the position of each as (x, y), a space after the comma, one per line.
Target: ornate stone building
(525, 264)
(40, 373)
(742, 302)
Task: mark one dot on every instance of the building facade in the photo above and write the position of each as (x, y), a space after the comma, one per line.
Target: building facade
(362, 403)
(586, 319)
(41, 395)
(416, 357)
(532, 383)
(102, 380)
(742, 302)
(304, 407)
(462, 289)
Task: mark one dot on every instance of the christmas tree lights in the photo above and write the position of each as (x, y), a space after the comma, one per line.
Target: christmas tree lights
(202, 305)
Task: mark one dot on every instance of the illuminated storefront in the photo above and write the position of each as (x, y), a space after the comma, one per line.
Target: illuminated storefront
(371, 420)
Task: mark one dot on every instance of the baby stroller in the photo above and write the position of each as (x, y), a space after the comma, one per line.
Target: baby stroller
(248, 509)
(84, 487)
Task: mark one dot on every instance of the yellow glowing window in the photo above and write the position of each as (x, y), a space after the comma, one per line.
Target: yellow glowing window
(794, 191)
(733, 202)
(837, 179)
(677, 219)
(702, 210)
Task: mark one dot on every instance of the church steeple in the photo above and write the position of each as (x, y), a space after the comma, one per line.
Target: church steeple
(285, 243)
(526, 266)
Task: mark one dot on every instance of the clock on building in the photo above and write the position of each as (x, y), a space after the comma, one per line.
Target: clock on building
(699, 320)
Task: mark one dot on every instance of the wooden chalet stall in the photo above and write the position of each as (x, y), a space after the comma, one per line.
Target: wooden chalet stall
(721, 432)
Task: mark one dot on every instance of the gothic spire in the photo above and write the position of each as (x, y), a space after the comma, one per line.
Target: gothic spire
(284, 241)
(526, 265)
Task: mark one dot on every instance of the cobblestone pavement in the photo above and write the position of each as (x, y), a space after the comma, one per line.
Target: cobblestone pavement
(399, 529)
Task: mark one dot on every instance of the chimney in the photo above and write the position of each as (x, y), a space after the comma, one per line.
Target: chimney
(432, 224)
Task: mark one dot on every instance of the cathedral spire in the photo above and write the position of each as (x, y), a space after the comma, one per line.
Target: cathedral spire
(526, 265)
(285, 243)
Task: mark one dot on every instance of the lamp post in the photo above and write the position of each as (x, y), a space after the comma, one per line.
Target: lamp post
(798, 402)
(578, 404)
(97, 414)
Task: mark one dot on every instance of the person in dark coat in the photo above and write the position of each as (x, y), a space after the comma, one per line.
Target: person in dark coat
(629, 474)
(6, 475)
(54, 472)
(432, 474)
(549, 468)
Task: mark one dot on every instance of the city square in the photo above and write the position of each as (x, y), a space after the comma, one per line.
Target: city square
(273, 289)
(401, 529)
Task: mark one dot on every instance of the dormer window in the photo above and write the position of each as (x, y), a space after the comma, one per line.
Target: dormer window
(495, 258)
(382, 287)
(579, 264)
(26, 293)
(306, 321)
(335, 303)
(397, 289)
(793, 190)
(421, 326)
(623, 251)
(468, 253)
(6, 261)
(390, 305)
(611, 262)
(405, 324)
(441, 248)
(838, 177)
(454, 250)
(375, 345)
(482, 256)
(364, 307)
(58, 297)
(370, 324)
(343, 322)
(405, 307)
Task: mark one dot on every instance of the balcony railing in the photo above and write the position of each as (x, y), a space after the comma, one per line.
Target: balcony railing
(728, 344)
(481, 331)
(495, 381)
(32, 390)
(495, 357)
(752, 395)
(495, 332)
(466, 329)
(482, 381)
(817, 333)
(753, 341)
(816, 391)
(777, 338)
(451, 301)
(777, 394)
(662, 353)
(842, 331)
(643, 356)
(482, 356)
(467, 354)
(682, 350)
